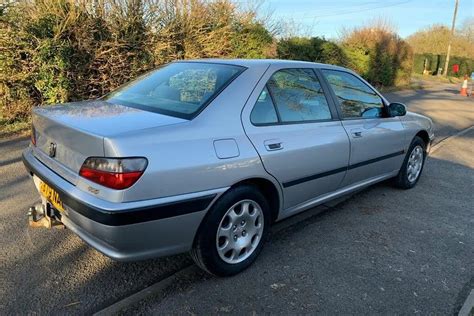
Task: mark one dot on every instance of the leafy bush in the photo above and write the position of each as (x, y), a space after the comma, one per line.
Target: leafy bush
(312, 49)
(379, 55)
(375, 52)
(54, 51)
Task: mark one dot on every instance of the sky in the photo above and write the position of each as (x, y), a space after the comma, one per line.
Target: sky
(327, 17)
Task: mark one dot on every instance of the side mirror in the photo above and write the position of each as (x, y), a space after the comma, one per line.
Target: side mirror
(397, 109)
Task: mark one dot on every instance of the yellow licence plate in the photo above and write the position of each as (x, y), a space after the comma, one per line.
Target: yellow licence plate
(51, 195)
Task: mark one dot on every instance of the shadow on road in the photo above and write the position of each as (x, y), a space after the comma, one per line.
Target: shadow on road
(13, 142)
(9, 161)
(381, 250)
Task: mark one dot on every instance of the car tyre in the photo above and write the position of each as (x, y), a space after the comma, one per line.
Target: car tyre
(412, 167)
(233, 232)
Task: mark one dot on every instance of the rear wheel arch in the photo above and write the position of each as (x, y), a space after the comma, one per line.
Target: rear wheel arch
(207, 250)
(266, 187)
(269, 190)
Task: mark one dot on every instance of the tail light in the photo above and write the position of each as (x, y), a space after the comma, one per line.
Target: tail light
(33, 135)
(114, 173)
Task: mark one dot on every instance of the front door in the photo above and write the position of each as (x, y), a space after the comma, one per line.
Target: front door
(377, 147)
(294, 128)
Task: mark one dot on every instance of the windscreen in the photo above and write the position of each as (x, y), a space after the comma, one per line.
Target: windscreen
(179, 89)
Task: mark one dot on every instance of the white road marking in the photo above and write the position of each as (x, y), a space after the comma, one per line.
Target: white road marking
(468, 307)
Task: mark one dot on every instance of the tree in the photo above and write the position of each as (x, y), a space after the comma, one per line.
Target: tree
(467, 29)
(435, 38)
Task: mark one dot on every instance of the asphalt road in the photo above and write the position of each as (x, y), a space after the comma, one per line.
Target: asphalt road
(380, 251)
(383, 251)
(449, 111)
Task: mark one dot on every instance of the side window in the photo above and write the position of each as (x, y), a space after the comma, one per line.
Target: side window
(263, 111)
(355, 97)
(298, 96)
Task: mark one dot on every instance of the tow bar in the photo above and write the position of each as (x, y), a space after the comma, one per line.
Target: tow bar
(40, 215)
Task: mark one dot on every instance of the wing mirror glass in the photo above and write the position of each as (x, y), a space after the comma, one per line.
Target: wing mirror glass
(397, 109)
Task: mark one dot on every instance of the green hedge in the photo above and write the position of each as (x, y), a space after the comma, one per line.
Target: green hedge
(466, 65)
(55, 51)
(314, 49)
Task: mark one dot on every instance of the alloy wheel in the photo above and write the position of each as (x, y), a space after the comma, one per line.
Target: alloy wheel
(240, 231)
(415, 163)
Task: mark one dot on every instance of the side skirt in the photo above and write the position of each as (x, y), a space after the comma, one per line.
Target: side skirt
(333, 195)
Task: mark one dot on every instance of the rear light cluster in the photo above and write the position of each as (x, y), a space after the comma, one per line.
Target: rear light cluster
(114, 173)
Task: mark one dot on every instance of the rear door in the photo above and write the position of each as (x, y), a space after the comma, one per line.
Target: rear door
(377, 142)
(294, 128)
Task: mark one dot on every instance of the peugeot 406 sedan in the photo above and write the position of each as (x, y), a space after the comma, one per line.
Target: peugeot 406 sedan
(203, 156)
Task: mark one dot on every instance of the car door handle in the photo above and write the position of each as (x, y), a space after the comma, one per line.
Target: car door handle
(356, 133)
(273, 144)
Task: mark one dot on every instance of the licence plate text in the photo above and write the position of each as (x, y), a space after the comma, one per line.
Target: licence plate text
(51, 195)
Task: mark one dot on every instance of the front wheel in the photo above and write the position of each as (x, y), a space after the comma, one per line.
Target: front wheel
(233, 232)
(412, 167)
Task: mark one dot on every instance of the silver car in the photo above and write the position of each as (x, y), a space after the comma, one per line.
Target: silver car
(203, 156)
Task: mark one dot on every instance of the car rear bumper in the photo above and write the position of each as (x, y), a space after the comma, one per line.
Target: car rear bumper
(132, 230)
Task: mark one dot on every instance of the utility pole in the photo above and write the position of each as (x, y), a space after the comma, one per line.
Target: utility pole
(446, 64)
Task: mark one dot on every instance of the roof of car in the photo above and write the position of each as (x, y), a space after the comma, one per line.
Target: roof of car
(259, 62)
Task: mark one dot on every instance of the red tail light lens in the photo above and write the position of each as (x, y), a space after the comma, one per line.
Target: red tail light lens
(114, 173)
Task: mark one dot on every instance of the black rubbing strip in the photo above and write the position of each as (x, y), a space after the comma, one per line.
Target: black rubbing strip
(313, 177)
(138, 215)
(338, 170)
(367, 162)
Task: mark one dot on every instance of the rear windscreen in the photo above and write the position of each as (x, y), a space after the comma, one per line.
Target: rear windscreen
(179, 89)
